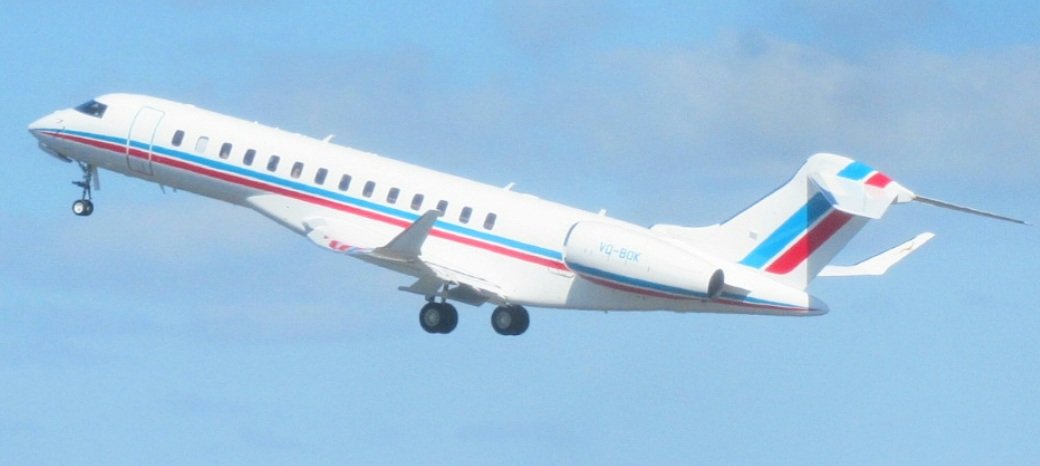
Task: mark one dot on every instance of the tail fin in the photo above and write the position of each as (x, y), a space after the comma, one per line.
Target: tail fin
(796, 230)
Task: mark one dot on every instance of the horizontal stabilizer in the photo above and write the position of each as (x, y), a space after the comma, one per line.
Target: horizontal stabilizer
(880, 263)
(969, 210)
(853, 196)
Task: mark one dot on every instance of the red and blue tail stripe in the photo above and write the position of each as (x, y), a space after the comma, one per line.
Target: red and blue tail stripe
(809, 227)
(809, 214)
(858, 171)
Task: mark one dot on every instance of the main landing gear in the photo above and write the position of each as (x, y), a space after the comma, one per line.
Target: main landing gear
(510, 320)
(438, 317)
(84, 207)
(441, 317)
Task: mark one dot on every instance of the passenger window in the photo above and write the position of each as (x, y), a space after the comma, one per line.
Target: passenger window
(248, 158)
(370, 187)
(391, 196)
(297, 170)
(489, 221)
(417, 201)
(319, 177)
(225, 150)
(465, 214)
(344, 183)
(442, 206)
(272, 163)
(200, 144)
(178, 137)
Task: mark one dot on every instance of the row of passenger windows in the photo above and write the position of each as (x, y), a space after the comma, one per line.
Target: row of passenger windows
(320, 176)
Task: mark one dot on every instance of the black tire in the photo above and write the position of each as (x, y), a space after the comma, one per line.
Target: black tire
(451, 318)
(438, 318)
(83, 207)
(510, 320)
(522, 318)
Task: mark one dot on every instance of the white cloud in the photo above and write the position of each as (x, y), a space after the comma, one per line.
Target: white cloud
(744, 97)
(857, 27)
(764, 97)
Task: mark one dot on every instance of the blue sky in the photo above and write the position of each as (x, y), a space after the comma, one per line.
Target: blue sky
(168, 328)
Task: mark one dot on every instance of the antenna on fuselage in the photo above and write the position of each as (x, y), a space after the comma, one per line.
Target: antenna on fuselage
(328, 138)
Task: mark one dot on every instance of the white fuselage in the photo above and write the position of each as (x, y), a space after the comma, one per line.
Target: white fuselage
(509, 239)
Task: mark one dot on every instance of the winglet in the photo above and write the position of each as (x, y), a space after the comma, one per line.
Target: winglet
(880, 263)
(407, 245)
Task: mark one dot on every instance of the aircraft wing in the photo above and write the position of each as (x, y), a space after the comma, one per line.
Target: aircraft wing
(468, 288)
(403, 253)
(880, 263)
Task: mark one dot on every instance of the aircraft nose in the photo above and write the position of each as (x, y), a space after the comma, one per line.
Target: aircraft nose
(44, 130)
(49, 122)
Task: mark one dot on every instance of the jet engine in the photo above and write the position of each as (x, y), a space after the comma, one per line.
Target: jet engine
(639, 260)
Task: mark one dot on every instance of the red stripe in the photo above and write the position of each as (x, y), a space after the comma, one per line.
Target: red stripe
(809, 243)
(91, 142)
(633, 289)
(655, 294)
(734, 302)
(879, 179)
(724, 301)
(314, 200)
(499, 249)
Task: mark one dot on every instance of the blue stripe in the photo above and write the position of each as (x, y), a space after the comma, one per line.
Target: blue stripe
(856, 171)
(274, 180)
(635, 282)
(760, 301)
(679, 292)
(788, 232)
(102, 137)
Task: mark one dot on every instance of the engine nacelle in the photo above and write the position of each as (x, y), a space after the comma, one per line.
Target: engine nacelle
(637, 260)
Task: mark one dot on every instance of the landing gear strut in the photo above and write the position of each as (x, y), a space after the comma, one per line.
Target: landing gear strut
(84, 207)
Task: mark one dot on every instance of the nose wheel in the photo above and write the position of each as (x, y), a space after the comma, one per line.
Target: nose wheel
(84, 206)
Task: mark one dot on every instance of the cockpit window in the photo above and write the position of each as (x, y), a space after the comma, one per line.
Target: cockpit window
(92, 108)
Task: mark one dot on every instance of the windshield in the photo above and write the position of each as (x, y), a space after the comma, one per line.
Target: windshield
(92, 108)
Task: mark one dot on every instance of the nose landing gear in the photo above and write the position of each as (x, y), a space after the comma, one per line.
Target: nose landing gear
(84, 207)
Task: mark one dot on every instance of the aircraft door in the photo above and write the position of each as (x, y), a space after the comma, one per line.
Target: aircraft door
(139, 142)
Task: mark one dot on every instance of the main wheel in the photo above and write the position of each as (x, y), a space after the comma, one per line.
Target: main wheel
(510, 320)
(83, 207)
(438, 317)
